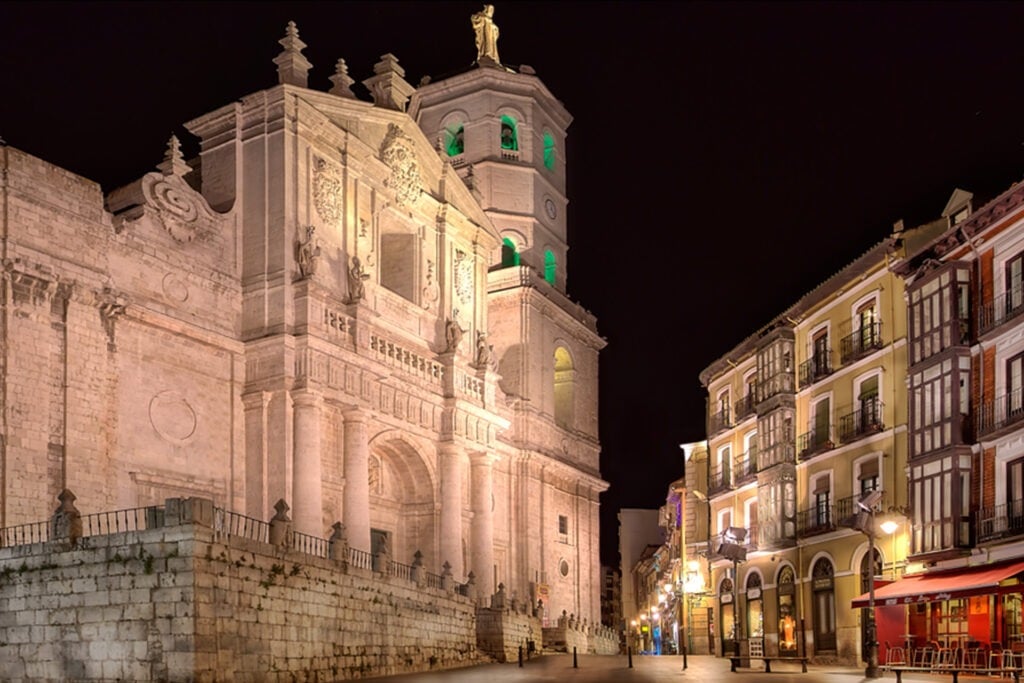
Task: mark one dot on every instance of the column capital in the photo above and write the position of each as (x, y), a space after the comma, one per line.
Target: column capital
(306, 397)
(354, 414)
(256, 399)
(480, 458)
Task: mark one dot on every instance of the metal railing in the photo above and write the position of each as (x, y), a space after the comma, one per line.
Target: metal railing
(310, 545)
(816, 441)
(821, 520)
(746, 466)
(860, 423)
(863, 341)
(1000, 521)
(816, 367)
(720, 478)
(719, 421)
(745, 406)
(1001, 412)
(235, 524)
(1000, 310)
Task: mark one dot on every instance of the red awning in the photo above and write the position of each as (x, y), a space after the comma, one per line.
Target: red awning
(945, 585)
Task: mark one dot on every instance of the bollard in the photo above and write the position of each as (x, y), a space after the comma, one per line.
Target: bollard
(574, 665)
(520, 656)
(629, 656)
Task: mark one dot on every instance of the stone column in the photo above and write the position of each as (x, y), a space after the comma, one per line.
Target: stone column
(482, 529)
(357, 481)
(451, 509)
(307, 479)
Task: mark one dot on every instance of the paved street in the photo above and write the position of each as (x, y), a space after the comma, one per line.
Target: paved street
(646, 669)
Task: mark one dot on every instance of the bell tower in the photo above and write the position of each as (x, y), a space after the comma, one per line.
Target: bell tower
(504, 134)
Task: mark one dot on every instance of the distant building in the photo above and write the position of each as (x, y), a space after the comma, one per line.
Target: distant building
(638, 529)
(611, 597)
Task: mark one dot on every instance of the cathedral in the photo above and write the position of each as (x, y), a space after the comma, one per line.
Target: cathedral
(356, 307)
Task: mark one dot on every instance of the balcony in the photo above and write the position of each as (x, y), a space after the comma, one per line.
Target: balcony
(814, 442)
(720, 479)
(816, 367)
(859, 344)
(821, 520)
(1000, 522)
(781, 452)
(861, 423)
(1005, 411)
(746, 466)
(719, 421)
(744, 407)
(1002, 309)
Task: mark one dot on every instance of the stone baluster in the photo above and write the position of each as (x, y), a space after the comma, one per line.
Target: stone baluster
(416, 574)
(67, 520)
(280, 525)
(339, 545)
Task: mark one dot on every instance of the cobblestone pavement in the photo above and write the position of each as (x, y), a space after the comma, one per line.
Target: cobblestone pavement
(648, 669)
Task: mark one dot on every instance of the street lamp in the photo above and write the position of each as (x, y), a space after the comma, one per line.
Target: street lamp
(866, 523)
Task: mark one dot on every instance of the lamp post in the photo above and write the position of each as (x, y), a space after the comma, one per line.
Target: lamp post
(866, 523)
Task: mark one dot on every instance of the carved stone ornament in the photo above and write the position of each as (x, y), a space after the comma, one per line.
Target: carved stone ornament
(463, 276)
(328, 191)
(397, 153)
(175, 205)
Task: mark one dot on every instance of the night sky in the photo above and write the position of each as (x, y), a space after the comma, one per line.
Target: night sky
(725, 158)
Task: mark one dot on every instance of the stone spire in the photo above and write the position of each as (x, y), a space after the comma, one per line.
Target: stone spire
(292, 67)
(174, 162)
(342, 81)
(387, 85)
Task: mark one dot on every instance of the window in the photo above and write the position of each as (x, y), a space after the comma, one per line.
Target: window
(454, 142)
(565, 383)
(1015, 496)
(870, 415)
(549, 151)
(509, 253)
(724, 467)
(509, 135)
(940, 500)
(824, 608)
(867, 325)
(933, 314)
(822, 508)
(868, 477)
(1014, 377)
(549, 267)
(787, 611)
(1014, 283)
(822, 424)
(563, 528)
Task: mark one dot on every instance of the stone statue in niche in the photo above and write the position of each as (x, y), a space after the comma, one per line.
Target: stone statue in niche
(308, 253)
(356, 277)
(486, 35)
(483, 349)
(452, 334)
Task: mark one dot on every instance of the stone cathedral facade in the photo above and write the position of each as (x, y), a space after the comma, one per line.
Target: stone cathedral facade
(358, 307)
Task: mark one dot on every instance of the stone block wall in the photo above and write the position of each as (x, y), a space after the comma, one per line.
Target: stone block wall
(185, 603)
(500, 633)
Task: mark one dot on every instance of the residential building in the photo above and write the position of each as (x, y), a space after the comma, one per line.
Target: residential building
(805, 417)
(965, 286)
(638, 531)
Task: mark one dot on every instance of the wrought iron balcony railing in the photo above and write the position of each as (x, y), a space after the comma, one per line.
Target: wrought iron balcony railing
(720, 479)
(825, 518)
(1004, 411)
(816, 367)
(745, 406)
(719, 421)
(816, 441)
(1000, 310)
(1001, 521)
(860, 423)
(862, 342)
(746, 466)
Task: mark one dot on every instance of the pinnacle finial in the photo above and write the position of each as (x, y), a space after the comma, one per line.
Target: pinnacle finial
(342, 81)
(174, 161)
(292, 67)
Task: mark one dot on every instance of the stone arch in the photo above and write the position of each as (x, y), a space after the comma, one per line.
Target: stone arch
(403, 504)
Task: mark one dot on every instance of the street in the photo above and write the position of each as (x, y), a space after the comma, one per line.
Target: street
(646, 669)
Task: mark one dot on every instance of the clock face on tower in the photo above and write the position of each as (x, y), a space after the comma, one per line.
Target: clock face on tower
(549, 208)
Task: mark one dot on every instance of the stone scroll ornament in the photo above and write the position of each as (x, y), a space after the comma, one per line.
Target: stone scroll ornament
(397, 153)
(463, 276)
(328, 191)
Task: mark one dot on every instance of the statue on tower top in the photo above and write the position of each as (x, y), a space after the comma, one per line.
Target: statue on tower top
(486, 35)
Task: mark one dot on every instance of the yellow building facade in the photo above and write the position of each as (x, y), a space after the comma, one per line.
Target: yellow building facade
(806, 417)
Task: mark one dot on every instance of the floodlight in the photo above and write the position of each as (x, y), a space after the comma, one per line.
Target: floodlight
(736, 533)
(870, 500)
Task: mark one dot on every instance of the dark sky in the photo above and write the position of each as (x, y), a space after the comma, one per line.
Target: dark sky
(724, 159)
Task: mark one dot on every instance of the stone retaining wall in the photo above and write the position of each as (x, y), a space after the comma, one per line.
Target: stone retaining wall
(184, 603)
(500, 633)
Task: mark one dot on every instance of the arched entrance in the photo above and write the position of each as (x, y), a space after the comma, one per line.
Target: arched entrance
(402, 500)
(823, 587)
